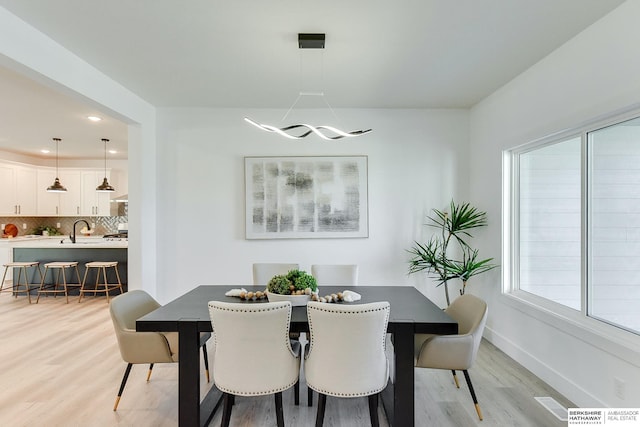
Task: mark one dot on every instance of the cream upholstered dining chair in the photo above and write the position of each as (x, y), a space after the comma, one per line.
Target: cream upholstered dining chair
(456, 352)
(332, 274)
(335, 274)
(251, 360)
(263, 272)
(342, 363)
(144, 347)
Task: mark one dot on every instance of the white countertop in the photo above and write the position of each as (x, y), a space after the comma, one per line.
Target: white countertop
(63, 242)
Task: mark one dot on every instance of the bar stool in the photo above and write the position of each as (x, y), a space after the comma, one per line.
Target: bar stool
(61, 267)
(101, 265)
(22, 269)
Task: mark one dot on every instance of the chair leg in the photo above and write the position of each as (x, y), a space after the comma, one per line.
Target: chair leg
(309, 396)
(119, 282)
(206, 360)
(41, 288)
(322, 402)
(296, 393)
(226, 411)
(473, 394)
(84, 282)
(455, 378)
(122, 384)
(279, 411)
(64, 278)
(3, 277)
(149, 373)
(373, 410)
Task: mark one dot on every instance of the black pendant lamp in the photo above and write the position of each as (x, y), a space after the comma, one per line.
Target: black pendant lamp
(302, 130)
(56, 187)
(105, 186)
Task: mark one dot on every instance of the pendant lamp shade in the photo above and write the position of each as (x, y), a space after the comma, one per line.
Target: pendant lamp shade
(56, 187)
(105, 186)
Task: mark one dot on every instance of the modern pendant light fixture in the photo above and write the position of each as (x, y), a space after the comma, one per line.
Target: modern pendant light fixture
(309, 41)
(56, 187)
(105, 186)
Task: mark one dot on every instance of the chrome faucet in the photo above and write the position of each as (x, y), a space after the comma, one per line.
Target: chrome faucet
(72, 236)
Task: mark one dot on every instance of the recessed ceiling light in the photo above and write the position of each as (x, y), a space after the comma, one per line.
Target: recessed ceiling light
(94, 118)
(45, 151)
(112, 151)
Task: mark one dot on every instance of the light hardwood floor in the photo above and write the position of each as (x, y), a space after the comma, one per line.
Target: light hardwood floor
(61, 367)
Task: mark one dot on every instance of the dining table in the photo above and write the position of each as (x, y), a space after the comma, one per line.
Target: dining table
(410, 313)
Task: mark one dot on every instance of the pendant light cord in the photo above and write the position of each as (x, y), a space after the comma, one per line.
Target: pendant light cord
(302, 93)
(105, 156)
(57, 140)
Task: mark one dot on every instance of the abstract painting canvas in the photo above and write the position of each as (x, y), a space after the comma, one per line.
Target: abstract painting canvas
(306, 197)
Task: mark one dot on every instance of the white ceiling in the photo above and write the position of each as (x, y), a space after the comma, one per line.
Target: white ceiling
(32, 114)
(243, 53)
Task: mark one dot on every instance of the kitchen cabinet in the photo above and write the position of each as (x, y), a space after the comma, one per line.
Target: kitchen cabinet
(7, 189)
(17, 195)
(59, 204)
(71, 200)
(48, 203)
(94, 203)
(24, 191)
(26, 199)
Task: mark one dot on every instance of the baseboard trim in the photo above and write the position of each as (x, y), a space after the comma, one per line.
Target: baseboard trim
(576, 394)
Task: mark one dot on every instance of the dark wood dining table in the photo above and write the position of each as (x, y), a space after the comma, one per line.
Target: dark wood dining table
(411, 313)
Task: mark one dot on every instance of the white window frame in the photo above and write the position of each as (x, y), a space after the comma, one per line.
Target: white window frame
(608, 337)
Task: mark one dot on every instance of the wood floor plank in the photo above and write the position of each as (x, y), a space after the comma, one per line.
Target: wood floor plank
(62, 367)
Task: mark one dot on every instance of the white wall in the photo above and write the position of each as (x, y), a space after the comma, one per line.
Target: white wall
(417, 161)
(594, 74)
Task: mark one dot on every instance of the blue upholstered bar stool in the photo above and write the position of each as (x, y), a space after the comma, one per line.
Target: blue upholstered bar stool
(101, 266)
(59, 267)
(22, 271)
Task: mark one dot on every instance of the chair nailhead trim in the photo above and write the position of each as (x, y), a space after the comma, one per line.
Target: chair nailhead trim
(331, 393)
(262, 393)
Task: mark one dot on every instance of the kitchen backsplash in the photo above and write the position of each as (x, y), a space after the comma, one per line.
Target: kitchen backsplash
(104, 224)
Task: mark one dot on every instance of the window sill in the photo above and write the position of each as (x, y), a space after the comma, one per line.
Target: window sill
(618, 342)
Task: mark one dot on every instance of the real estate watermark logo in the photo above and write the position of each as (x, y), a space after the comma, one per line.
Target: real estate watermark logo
(617, 417)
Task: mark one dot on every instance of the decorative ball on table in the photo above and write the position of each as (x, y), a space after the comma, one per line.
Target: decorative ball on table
(252, 295)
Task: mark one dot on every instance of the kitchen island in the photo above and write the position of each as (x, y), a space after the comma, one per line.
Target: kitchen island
(60, 248)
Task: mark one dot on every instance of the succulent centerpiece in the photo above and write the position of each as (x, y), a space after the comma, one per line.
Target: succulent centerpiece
(295, 282)
(296, 286)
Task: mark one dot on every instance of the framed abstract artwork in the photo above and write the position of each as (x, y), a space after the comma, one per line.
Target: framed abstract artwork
(306, 197)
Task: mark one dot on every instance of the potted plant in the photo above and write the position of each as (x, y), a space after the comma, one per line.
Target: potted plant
(46, 230)
(433, 256)
(296, 286)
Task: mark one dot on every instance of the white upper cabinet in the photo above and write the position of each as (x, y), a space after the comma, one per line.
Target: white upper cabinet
(59, 204)
(26, 198)
(48, 203)
(94, 203)
(7, 190)
(17, 195)
(24, 191)
(71, 200)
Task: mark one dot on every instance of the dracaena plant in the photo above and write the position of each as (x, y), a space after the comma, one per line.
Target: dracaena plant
(433, 257)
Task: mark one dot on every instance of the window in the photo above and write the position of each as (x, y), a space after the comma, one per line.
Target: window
(576, 222)
(549, 201)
